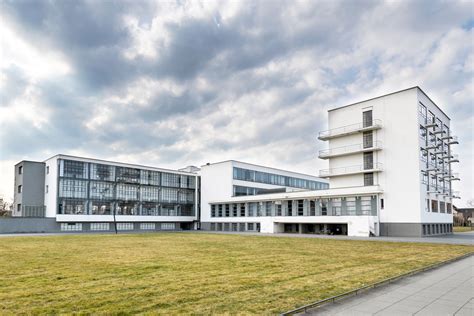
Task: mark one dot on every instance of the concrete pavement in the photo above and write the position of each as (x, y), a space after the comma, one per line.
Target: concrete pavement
(448, 290)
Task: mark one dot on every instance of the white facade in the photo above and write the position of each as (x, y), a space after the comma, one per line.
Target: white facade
(218, 182)
(376, 149)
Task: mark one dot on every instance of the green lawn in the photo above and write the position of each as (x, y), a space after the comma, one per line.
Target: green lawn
(174, 273)
(461, 229)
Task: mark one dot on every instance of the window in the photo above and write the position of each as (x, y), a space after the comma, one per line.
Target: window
(124, 226)
(100, 226)
(366, 204)
(213, 226)
(442, 207)
(213, 210)
(368, 139)
(234, 210)
(127, 192)
(351, 205)
(368, 179)
(127, 175)
(336, 206)
(71, 227)
(102, 172)
(168, 226)
(324, 207)
(73, 169)
(423, 134)
(431, 118)
(72, 206)
(147, 226)
(18, 207)
(73, 188)
(300, 207)
(170, 180)
(20, 170)
(127, 208)
(278, 209)
(268, 208)
(101, 190)
(381, 204)
(448, 208)
(101, 207)
(242, 210)
(47, 169)
(422, 110)
(252, 209)
(149, 193)
(290, 208)
(219, 209)
(275, 179)
(434, 206)
(367, 118)
(368, 160)
(227, 210)
(169, 195)
(20, 187)
(312, 208)
(250, 226)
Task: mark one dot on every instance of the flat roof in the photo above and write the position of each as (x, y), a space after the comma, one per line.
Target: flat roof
(123, 164)
(256, 165)
(384, 95)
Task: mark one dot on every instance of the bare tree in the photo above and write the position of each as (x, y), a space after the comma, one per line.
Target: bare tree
(5, 208)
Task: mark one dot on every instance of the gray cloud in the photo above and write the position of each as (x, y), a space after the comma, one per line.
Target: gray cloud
(223, 84)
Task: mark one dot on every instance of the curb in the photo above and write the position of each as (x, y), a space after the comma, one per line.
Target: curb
(357, 291)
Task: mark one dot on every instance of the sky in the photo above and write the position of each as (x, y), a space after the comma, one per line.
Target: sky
(177, 83)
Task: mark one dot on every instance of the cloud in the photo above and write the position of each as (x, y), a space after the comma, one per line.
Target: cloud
(189, 82)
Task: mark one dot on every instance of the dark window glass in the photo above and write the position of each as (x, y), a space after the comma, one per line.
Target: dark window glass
(368, 179)
(367, 118)
(368, 160)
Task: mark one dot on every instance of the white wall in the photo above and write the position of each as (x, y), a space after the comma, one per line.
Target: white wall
(399, 135)
(51, 180)
(216, 184)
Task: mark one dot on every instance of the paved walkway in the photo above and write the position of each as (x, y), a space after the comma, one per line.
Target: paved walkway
(448, 290)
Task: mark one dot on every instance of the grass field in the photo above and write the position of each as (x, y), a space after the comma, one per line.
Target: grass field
(460, 229)
(173, 273)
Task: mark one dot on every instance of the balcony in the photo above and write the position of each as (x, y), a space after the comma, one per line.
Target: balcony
(349, 129)
(349, 150)
(343, 171)
(453, 158)
(453, 140)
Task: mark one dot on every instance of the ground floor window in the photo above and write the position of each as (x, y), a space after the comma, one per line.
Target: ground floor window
(168, 226)
(124, 226)
(71, 227)
(100, 226)
(147, 226)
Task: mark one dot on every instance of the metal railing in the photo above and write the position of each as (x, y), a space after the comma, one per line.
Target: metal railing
(349, 129)
(351, 169)
(348, 149)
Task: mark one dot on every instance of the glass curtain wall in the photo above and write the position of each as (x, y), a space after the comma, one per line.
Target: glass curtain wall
(101, 189)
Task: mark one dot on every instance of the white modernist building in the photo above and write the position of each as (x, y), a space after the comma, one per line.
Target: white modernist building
(82, 194)
(390, 173)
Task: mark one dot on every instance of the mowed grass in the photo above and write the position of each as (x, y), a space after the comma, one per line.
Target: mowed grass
(461, 229)
(194, 273)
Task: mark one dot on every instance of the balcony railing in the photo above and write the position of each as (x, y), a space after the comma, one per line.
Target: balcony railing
(376, 167)
(346, 150)
(349, 129)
